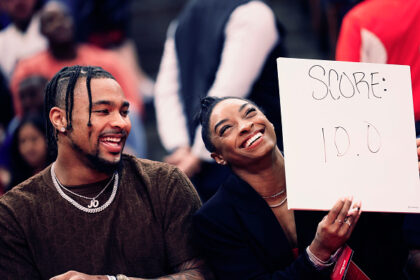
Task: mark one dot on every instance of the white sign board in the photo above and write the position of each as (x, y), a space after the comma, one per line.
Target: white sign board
(348, 129)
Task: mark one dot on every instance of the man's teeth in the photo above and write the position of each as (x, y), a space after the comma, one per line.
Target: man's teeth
(111, 139)
(253, 139)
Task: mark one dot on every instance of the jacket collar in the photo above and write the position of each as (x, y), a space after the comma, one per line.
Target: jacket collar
(262, 222)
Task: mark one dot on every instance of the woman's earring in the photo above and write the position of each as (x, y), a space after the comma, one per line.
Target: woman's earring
(63, 129)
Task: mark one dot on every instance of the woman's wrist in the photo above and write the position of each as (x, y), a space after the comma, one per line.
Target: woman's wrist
(320, 264)
(320, 253)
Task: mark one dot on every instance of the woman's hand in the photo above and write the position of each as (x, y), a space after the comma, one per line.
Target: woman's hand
(335, 228)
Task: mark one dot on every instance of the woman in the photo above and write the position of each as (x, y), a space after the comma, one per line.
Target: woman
(29, 149)
(246, 230)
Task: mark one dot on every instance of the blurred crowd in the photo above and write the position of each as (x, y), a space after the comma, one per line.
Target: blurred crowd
(39, 37)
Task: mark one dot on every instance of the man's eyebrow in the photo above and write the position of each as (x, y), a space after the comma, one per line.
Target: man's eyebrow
(106, 102)
(219, 123)
(102, 102)
(242, 107)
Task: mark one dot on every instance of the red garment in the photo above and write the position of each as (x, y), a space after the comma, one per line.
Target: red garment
(46, 65)
(295, 252)
(396, 23)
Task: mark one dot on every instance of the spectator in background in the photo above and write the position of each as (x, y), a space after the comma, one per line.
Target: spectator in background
(31, 97)
(31, 92)
(105, 23)
(29, 149)
(6, 115)
(6, 107)
(216, 48)
(58, 27)
(21, 38)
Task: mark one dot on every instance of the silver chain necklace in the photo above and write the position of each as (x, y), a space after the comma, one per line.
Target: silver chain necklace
(94, 203)
(93, 200)
(275, 195)
(278, 204)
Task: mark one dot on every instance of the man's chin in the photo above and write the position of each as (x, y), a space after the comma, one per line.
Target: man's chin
(99, 160)
(104, 165)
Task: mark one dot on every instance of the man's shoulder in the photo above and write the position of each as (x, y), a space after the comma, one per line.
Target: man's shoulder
(148, 167)
(25, 194)
(159, 178)
(153, 172)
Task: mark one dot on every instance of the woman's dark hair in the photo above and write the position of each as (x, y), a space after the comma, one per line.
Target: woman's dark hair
(20, 169)
(207, 105)
(60, 93)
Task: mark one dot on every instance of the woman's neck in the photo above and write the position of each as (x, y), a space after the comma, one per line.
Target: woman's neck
(267, 176)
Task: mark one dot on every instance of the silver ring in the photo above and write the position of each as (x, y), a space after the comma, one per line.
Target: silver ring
(339, 221)
(347, 222)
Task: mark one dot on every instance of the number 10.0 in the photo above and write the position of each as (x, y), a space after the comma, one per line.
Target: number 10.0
(342, 140)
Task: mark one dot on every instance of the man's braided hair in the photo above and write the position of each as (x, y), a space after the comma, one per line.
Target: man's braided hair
(60, 93)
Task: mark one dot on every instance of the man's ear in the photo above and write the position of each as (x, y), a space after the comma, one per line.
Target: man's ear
(218, 158)
(58, 119)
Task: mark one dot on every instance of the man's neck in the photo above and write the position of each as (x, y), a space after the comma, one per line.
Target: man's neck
(67, 51)
(74, 173)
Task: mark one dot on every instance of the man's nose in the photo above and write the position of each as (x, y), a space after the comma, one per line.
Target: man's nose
(120, 121)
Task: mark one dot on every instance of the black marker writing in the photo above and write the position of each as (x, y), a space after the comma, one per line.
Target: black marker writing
(341, 84)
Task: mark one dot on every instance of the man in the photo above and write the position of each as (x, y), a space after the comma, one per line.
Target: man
(95, 210)
(216, 48)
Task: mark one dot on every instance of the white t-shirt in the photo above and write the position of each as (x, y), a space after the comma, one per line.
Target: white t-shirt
(15, 45)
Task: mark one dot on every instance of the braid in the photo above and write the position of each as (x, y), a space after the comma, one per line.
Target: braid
(59, 92)
(50, 90)
(74, 75)
(88, 78)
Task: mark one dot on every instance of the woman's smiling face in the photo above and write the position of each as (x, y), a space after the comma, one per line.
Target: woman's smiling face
(240, 132)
